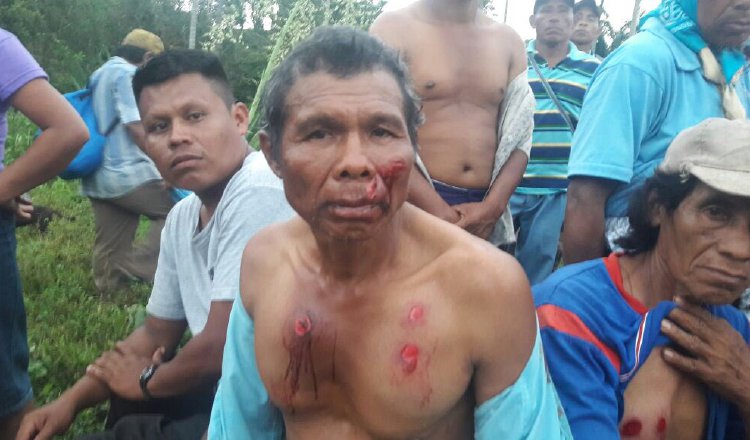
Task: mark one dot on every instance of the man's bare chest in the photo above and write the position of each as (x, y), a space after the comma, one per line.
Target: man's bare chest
(662, 403)
(460, 70)
(381, 365)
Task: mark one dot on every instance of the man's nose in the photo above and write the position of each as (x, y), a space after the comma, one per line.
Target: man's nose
(353, 161)
(178, 134)
(736, 243)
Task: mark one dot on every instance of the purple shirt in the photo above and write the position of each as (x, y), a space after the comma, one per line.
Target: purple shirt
(18, 68)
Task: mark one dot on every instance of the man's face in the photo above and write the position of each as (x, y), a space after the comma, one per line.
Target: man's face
(553, 22)
(724, 23)
(345, 154)
(195, 141)
(705, 244)
(587, 28)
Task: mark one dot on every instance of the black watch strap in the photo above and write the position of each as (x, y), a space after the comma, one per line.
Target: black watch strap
(146, 376)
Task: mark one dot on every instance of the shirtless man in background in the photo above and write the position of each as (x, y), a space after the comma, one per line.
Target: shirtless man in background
(363, 323)
(462, 63)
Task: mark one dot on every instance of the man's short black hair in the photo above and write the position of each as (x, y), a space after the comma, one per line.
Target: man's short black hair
(662, 189)
(173, 63)
(590, 5)
(343, 52)
(539, 3)
(131, 54)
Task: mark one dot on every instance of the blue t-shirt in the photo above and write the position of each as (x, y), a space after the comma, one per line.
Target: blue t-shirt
(596, 337)
(641, 97)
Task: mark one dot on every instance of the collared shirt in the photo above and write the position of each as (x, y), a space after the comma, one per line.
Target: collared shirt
(642, 96)
(124, 166)
(547, 171)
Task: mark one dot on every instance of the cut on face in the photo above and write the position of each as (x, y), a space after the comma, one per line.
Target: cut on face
(345, 153)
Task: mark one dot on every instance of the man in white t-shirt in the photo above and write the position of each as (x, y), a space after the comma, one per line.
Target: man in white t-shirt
(195, 134)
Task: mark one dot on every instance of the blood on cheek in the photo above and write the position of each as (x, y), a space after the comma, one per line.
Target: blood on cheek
(386, 175)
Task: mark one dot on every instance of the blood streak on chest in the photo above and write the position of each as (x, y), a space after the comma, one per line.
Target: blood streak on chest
(384, 177)
(299, 347)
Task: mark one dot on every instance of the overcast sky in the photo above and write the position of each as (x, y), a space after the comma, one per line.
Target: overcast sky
(519, 11)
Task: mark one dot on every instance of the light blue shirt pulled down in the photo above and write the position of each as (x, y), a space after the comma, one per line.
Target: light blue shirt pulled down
(641, 97)
(124, 166)
(528, 409)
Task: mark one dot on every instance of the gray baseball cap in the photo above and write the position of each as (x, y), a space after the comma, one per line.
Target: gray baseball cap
(716, 151)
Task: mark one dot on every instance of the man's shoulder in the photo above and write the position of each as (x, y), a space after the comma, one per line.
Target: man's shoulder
(573, 283)
(646, 52)
(391, 22)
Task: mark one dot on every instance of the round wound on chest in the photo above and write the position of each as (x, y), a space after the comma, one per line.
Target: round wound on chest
(410, 357)
(631, 428)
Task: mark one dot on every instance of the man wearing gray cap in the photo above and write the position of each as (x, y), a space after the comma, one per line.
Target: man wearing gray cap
(127, 184)
(649, 336)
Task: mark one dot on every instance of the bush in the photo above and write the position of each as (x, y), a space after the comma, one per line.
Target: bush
(69, 326)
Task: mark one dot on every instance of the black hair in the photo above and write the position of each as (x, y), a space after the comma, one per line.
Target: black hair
(173, 63)
(343, 52)
(590, 5)
(539, 3)
(131, 54)
(662, 189)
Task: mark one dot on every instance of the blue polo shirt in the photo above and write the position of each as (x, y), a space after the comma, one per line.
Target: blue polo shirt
(597, 336)
(641, 97)
(547, 171)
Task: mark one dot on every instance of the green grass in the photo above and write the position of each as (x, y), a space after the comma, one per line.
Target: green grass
(69, 326)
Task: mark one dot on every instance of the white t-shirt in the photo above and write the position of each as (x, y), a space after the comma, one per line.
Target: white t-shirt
(196, 266)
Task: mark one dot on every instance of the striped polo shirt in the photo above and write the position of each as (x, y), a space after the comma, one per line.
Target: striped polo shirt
(547, 171)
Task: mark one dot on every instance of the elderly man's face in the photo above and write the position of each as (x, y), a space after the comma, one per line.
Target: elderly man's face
(345, 153)
(705, 244)
(724, 23)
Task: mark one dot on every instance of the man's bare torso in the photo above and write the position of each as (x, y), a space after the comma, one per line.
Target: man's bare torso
(461, 72)
(663, 404)
(386, 358)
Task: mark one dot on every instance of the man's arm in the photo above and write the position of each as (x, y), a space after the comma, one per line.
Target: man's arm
(197, 363)
(63, 134)
(92, 389)
(480, 218)
(423, 195)
(583, 233)
(515, 397)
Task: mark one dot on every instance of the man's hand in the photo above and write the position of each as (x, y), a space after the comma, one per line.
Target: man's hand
(477, 218)
(46, 422)
(121, 370)
(20, 206)
(716, 354)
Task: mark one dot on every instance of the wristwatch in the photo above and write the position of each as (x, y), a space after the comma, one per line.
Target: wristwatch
(146, 376)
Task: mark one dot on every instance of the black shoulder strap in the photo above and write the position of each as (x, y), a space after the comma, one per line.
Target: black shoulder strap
(551, 92)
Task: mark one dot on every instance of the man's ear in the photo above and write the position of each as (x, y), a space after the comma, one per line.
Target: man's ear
(241, 116)
(267, 149)
(657, 215)
(532, 21)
